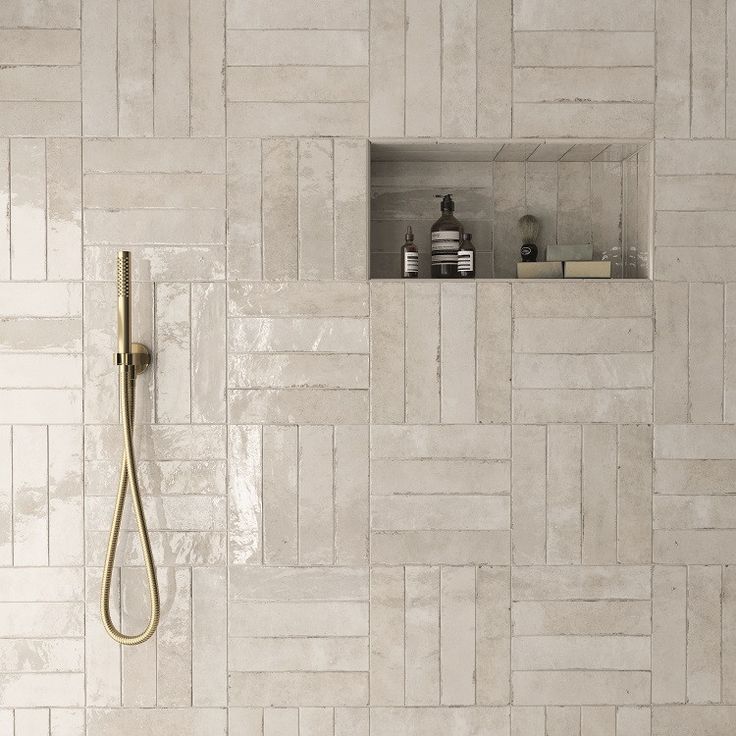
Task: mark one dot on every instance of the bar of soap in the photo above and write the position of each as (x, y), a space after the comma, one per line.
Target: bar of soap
(541, 270)
(588, 270)
(583, 252)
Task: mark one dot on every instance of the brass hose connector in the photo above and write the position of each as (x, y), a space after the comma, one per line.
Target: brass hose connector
(132, 359)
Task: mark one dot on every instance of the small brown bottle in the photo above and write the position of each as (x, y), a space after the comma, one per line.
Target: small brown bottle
(409, 256)
(466, 258)
(446, 234)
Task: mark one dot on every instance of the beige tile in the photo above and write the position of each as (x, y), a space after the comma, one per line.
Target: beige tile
(351, 206)
(620, 15)
(583, 48)
(298, 298)
(585, 120)
(298, 654)
(459, 68)
(457, 636)
(493, 352)
(387, 352)
(422, 637)
(599, 494)
(492, 636)
(705, 358)
(678, 720)
(617, 84)
(279, 209)
(458, 441)
(316, 209)
(529, 489)
(135, 65)
(580, 583)
(671, 353)
(316, 525)
(669, 626)
(300, 14)
(422, 353)
(703, 634)
(423, 114)
(280, 495)
(387, 679)
(494, 61)
(246, 478)
(148, 722)
(580, 688)
(457, 353)
(387, 62)
(207, 65)
(563, 720)
(634, 494)
(708, 73)
(436, 721)
(264, 119)
(209, 637)
(428, 547)
(581, 618)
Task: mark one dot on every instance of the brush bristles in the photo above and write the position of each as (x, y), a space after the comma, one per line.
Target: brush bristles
(529, 229)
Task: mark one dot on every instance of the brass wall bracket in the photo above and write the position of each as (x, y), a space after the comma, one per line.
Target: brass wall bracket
(139, 356)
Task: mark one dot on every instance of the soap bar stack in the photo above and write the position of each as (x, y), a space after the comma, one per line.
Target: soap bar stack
(568, 261)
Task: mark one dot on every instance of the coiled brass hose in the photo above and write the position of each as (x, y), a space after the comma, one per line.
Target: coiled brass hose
(131, 359)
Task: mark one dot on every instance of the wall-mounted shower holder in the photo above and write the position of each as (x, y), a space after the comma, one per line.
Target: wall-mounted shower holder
(139, 356)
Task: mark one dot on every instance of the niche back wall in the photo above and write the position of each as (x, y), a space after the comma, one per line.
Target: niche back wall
(377, 509)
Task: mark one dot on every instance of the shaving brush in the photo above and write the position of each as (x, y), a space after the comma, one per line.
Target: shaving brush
(529, 229)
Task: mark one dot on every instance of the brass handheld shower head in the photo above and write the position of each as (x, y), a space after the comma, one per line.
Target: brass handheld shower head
(129, 353)
(132, 358)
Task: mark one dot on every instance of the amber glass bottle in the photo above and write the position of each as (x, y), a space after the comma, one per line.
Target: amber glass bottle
(409, 256)
(446, 236)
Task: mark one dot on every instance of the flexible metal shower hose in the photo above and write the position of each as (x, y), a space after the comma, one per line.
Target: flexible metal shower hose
(128, 479)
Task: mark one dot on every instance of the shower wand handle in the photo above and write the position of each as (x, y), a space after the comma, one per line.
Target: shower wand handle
(129, 353)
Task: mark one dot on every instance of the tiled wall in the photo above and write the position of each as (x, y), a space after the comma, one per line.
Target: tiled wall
(491, 509)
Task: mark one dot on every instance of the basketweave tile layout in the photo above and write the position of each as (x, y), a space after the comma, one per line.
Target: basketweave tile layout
(377, 508)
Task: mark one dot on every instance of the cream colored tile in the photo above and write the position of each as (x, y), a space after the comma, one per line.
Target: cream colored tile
(207, 67)
(459, 68)
(580, 688)
(599, 494)
(387, 63)
(387, 352)
(387, 662)
(457, 355)
(703, 634)
(135, 68)
(457, 636)
(669, 625)
(584, 120)
(209, 637)
(280, 495)
(351, 207)
(422, 342)
(423, 68)
(244, 235)
(99, 68)
(708, 72)
(279, 209)
(422, 637)
(316, 209)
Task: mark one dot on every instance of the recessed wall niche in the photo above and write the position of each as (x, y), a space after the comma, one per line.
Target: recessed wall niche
(582, 192)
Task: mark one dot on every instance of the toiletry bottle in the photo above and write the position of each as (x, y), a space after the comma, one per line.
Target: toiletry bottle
(446, 234)
(466, 258)
(409, 256)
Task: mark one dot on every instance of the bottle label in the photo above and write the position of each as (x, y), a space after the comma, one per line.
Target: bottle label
(446, 235)
(445, 244)
(411, 262)
(465, 261)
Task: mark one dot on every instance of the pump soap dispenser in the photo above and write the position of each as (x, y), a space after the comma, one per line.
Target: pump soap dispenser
(446, 238)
